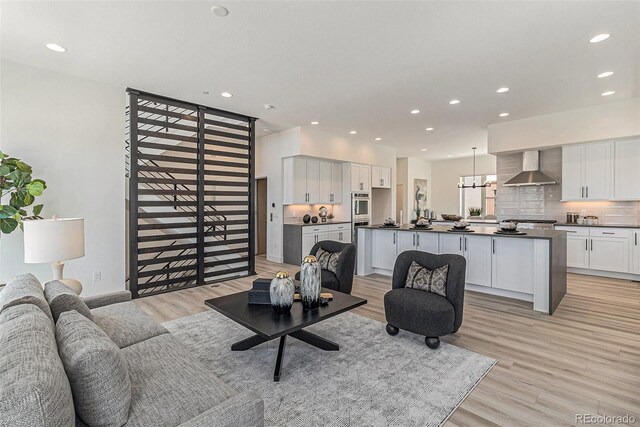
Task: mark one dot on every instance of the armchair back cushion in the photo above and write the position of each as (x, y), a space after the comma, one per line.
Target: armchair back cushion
(455, 276)
(24, 289)
(346, 262)
(61, 298)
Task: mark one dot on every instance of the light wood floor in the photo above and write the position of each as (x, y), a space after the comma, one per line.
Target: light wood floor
(583, 359)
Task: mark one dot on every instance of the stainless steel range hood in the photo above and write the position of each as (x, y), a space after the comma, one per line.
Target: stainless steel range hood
(530, 174)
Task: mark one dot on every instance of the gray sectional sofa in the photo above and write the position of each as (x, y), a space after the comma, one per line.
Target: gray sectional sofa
(169, 386)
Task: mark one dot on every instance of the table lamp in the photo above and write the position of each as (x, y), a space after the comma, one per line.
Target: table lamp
(55, 240)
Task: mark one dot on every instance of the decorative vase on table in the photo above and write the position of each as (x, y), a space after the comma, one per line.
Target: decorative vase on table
(310, 283)
(281, 292)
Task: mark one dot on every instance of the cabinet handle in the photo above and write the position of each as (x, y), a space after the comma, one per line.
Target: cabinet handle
(587, 192)
(493, 246)
(607, 232)
(586, 244)
(361, 186)
(417, 240)
(381, 181)
(394, 237)
(414, 240)
(582, 192)
(591, 245)
(636, 238)
(465, 244)
(460, 243)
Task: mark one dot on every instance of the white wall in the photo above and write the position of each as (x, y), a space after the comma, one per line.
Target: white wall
(71, 131)
(410, 168)
(444, 180)
(607, 121)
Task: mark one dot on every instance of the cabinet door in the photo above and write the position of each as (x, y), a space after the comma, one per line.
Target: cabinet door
(626, 170)
(355, 178)
(406, 241)
(578, 251)
(451, 243)
(383, 249)
(313, 181)
(386, 177)
(513, 264)
(609, 254)
(376, 177)
(598, 175)
(308, 240)
(345, 236)
(336, 183)
(572, 172)
(325, 182)
(635, 248)
(365, 178)
(295, 180)
(427, 242)
(477, 251)
(334, 235)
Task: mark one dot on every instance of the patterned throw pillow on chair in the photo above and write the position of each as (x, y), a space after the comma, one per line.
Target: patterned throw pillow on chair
(328, 260)
(419, 277)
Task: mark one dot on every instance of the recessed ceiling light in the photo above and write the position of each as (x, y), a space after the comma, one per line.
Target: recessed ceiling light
(609, 92)
(378, 139)
(503, 90)
(504, 114)
(450, 155)
(353, 132)
(430, 129)
(268, 107)
(314, 123)
(226, 95)
(205, 92)
(424, 149)
(599, 38)
(454, 101)
(415, 111)
(220, 11)
(266, 130)
(605, 74)
(55, 47)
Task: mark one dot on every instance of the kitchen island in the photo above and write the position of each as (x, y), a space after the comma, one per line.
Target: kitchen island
(530, 267)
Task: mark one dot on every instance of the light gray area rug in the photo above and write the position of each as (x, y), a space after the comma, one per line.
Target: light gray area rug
(374, 380)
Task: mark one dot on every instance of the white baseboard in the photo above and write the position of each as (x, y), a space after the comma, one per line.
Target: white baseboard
(277, 259)
(599, 273)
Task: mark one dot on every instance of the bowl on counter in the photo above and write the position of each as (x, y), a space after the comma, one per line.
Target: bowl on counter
(451, 217)
(508, 226)
(460, 225)
(389, 222)
(422, 222)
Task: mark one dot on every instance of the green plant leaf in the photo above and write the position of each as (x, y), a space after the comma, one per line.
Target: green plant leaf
(7, 211)
(4, 170)
(35, 188)
(2, 155)
(7, 225)
(37, 209)
(23, 167)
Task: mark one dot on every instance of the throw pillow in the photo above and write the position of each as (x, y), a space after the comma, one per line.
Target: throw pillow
(96, 369)
(328, 260)
(419, 277)
(24, 289)
(61, 298)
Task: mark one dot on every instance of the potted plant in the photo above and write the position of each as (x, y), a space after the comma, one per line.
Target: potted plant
(475, 212)
(21, 188)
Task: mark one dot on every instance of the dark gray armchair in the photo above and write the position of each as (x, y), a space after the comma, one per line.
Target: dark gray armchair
(423, 312)
(343, 280)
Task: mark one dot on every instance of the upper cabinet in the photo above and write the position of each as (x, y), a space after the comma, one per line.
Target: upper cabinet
(360, 178)
(587, 172)
(626, 181)
(380, 177)
(311, 181)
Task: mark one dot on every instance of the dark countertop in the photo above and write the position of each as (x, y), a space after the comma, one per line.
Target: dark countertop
(564, 224)
(471, 221)
(302, 224)
(482, 231)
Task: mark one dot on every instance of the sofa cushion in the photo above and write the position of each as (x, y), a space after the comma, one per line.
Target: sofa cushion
(126, 324)
(24, 289)
(34, 388)
(419, 277)
(169, 385)
(328, 260)
(420, 312)
(96, 369)
(61, 298)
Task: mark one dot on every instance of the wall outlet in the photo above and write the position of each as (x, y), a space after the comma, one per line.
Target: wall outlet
(97, 276)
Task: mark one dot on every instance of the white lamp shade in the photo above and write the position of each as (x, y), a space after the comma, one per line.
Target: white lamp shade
(49, 240)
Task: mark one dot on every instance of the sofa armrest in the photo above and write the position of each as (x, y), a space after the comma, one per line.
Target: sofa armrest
(107, 299)
(242, 410)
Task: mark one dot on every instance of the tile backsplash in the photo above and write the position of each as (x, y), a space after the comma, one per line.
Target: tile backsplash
(543, 202)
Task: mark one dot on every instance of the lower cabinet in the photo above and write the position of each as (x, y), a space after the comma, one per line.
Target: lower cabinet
(512, 266)
(308, 240)
(384, 248)
(609, 254)
(299, 239)
(578, 251)
(417, 241)
(601, 248)
(477, 251)
(635, 252)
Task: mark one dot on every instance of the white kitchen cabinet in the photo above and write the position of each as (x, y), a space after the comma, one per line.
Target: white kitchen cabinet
(578, 251)
(406, 241)
(311, 181)
(336, 183)
(609, 254)
(380, 177)
(383, 249)
(360, 178)
(635, 252)
(340, 233)
(587, 172)
(513, 264)
(477, 251)
(626, 171)
(427, 242)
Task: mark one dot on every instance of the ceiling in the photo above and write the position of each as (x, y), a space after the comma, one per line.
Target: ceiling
(349, 65)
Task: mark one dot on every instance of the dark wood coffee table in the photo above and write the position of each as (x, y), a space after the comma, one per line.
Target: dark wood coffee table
(268, 325)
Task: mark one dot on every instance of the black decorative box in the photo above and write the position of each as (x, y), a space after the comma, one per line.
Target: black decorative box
(260, 293)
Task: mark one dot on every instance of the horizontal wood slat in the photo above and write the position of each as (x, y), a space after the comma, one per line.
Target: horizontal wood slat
(149, 192)
(183, 116)
(160, 158)
(167, 124)
(225, 271)
(227, 242)
(167, 248)
(175, 181)
(166, 135)
(226, 154)
(167, 225)
(229, 222)
(217, 143)
(226, 183)
(160, 203)
(167, 147)
(227, 252)
(243, 128)
(174, 214)
(158, 169)
(165, 259)
(230, 261)
(226, 193)
(173, 236)
(242, 137)
(158, 283)
(228, 164)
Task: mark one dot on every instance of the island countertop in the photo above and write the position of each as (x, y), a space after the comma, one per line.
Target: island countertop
(477, 231)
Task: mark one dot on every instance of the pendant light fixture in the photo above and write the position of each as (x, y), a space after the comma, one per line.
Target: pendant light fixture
(461, 184)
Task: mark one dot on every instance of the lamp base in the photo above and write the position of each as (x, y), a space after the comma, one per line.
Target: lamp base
(73, 284)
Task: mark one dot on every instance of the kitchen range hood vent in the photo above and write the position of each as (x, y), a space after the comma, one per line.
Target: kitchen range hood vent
(530, 174)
